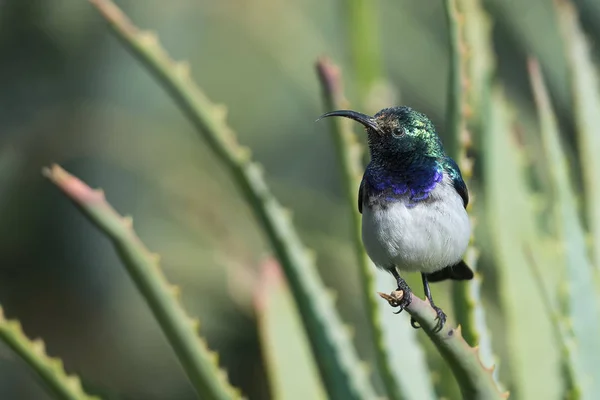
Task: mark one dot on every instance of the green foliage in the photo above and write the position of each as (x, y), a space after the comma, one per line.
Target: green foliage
(533, 306)
(578, 298)
(49, 370)
(292, 368)
(585, 88)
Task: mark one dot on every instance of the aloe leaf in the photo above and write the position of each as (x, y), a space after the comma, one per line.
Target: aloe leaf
(341, 369)
(479, 59)
(364, 42)
(50, 370)
(469, 80)
(363, 29)
(291, 367)
(585, 87)
(181, 331)
(561, 330)
(455, 118)
(511, 224)
(581, 308)
(458, 140)
(474, 379)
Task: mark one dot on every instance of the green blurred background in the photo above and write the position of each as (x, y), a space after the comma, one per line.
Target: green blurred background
(71, 94)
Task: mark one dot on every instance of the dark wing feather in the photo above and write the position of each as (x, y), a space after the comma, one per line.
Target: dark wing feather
(360, 195)
(461, 189)
(457, 181)
(458, 272)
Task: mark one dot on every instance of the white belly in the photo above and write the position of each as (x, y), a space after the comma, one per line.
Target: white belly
(425, 238)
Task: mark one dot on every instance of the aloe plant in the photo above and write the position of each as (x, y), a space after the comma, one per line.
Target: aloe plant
(579, 301)
(533, 308)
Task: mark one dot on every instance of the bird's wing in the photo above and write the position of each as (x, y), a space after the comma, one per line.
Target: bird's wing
(457, 181)
(360, 195)
(461, 189)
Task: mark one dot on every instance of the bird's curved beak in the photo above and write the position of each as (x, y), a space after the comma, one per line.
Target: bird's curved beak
(364, 119)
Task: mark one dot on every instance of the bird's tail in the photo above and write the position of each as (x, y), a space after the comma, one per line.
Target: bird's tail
(458, 272)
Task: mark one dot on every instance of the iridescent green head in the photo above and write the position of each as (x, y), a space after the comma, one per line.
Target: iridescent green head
(397, 134)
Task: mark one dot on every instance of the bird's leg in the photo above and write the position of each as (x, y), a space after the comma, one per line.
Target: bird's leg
(440, 314)
(402, 285)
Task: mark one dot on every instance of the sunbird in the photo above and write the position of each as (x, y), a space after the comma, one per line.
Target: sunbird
(413, 201)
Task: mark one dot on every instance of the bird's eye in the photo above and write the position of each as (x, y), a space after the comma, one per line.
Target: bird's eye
(398, 132)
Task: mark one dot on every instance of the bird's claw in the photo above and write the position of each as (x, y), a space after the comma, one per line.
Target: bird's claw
(405, 301)
(441, 318)
(414, 323)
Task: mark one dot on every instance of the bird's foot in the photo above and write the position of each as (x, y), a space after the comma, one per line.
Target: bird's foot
(406, 295)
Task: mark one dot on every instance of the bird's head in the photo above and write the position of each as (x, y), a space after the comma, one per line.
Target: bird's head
(397, 134)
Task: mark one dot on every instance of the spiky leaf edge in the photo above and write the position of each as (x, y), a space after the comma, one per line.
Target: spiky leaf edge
(200, 364)
(50, 370)
(474, 379)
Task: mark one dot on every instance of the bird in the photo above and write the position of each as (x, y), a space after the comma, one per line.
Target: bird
(413, 202)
